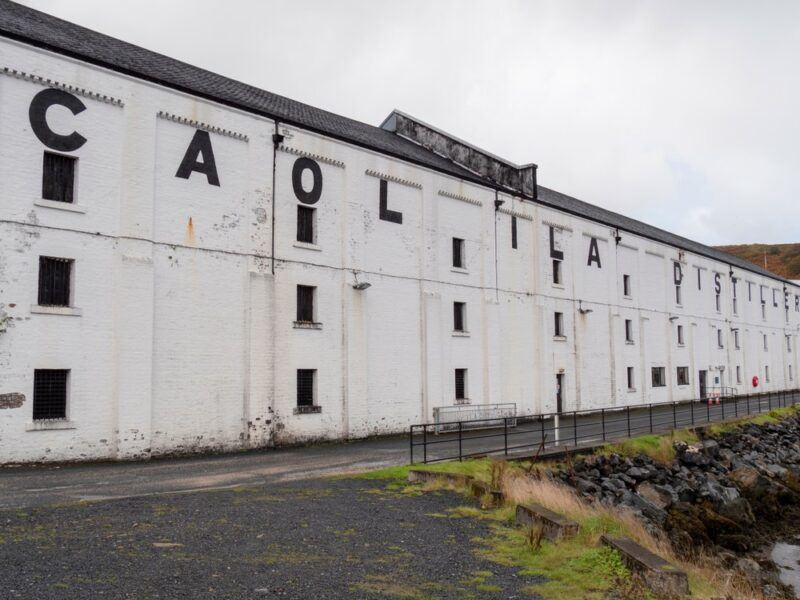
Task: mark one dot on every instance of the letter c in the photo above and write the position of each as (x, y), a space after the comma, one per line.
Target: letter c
(37, 113)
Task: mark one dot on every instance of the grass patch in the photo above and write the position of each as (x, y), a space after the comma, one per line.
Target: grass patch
(772, 417)
(478, 468)
(658, 447)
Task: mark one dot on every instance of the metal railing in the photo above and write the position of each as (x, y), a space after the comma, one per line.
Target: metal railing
(478, 437)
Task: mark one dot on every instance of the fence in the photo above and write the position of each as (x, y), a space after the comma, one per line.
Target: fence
(477, 437)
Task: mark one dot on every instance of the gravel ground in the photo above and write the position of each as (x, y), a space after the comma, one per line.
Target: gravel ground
(344, 538)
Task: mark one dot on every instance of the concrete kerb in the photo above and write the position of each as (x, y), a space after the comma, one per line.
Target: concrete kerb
(555, 527)
(661, 577)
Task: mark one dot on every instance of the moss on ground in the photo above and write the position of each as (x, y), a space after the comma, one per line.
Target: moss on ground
(658, 447)
(774, 416)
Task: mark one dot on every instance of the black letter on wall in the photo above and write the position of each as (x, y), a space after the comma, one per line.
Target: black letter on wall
(200, 144)
(300, 165)
(594, 253)
(37, 113)
(677, 273)
(557, 254)
(386, 214)
(717, 284)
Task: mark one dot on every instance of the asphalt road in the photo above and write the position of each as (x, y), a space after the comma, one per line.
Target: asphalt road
(23, 487)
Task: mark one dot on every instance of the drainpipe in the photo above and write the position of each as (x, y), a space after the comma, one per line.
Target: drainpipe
(497, 204)
(277, 138)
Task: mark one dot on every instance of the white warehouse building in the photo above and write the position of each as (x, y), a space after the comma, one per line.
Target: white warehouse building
(188, 263)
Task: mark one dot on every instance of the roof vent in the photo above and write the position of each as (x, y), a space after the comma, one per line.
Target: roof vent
(515, 178)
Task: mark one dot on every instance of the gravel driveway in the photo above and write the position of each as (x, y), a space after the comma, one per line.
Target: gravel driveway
(324, 538)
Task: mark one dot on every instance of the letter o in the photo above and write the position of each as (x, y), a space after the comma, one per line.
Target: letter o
(300, 165)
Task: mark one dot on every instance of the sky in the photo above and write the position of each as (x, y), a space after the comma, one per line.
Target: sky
(682, 114)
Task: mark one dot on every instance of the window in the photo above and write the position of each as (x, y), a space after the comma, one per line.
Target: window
(683, 375)
(58, 177)
(631, 382)
(459, 316)
(680, 335)
(699, 280)
(763, 310)
(749, 291)
(678, 295)
(736, 339)
(774, 297)
(788, 343)
(305, 224)
(738, 374)
(626, 286)
(458, 253)
(797, 304)
(461, 384)
(717, 302)
(735, 306)
(54, 281)
(559, 324)
(719, 338)
(766, 373)
(513, 232)
(629, 331)
(305, 304)
(735, 299)
(305, 387)
(50, 394)
(659, 377)
(557, 272)
(766, 342)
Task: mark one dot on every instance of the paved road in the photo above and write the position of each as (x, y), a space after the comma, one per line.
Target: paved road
(38, 486)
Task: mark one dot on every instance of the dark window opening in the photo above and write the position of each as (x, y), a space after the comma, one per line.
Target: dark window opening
(514, 232)
(680, 335)
(678, 295)
(305, 224)
(628, 330)
(305, 387)
(54, 281)
(659, 377)
(559, 324)
(461, 384)
(458, 253)
(557, 271)
(683, 375)
(50, 394)
(58, 177)
(459, 320)
(626, 285)
(305, 304)
(630, 379)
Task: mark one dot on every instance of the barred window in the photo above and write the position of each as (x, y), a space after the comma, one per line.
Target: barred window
(683, 375)
(54, 281)
(305, 304)
(461, 384)
(305, 387)
(659, 377)
(50, 394)
(305, 224)
(459, 316)
(58, 177)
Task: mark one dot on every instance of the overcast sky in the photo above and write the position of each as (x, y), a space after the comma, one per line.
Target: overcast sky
(681, 114)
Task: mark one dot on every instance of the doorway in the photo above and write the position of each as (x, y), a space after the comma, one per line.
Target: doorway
(702, 380)
(559, 393)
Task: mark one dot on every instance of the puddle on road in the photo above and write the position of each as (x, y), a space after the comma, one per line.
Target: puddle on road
(787, 558)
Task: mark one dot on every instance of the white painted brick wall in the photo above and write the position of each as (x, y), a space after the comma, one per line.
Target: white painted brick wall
(186, 339)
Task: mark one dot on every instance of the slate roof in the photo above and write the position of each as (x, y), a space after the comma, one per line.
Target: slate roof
(45, 31)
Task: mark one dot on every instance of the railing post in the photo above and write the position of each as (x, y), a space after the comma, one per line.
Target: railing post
(574, 428)
(411, 443)
(736, 406)
(541, 435)
(460, 423)
(505, 435)
(674, 416)
(425, 444)
(628, 415)
(769, 401)
(748, 404)
(603, 421)
(651, 417)
(708, 410)
(722, 406)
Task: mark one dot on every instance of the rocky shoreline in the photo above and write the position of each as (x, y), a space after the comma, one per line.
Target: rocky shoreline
(731, 495)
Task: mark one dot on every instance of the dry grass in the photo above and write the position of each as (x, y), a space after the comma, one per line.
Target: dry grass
(707, 578)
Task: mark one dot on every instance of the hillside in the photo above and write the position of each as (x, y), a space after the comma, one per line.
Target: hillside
(781, 259)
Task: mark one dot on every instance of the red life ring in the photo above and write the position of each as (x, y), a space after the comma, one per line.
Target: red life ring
(755, 380)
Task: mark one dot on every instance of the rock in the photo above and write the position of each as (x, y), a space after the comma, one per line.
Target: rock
(656, 495)
(738, 510)
(749, 568)
(710, 447)
(776, 470)
(586, 487)
(745, 477)
(638, 473)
